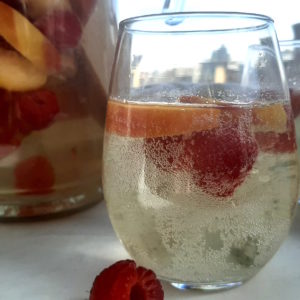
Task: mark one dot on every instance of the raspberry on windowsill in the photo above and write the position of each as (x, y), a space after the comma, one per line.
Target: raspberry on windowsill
(125, 281)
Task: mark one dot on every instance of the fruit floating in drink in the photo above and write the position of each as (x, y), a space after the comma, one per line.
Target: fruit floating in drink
(52, 108)
(205, 190)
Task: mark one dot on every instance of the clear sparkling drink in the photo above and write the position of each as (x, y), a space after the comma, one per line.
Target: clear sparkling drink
(201, 191)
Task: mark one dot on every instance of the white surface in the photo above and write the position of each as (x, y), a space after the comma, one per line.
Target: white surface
(58, 260)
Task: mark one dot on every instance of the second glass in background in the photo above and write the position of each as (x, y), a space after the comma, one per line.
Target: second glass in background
(290, 52)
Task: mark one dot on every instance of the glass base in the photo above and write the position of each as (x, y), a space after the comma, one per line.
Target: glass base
(207, 287)
(47, 207)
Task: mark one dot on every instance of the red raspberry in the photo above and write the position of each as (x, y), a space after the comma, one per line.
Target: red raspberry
(9, 134)
(124, 281)
(34, 176)
(218, 159)
(222, 157)
(147, 287)
(37, 109)
(62, 28)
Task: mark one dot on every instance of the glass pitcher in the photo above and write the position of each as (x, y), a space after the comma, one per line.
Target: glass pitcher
(55, 65)
(55, 60)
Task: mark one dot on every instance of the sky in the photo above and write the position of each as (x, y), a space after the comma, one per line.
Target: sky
(285, 13)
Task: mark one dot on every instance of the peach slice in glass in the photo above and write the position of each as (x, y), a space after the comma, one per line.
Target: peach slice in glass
(136, 120)
(270, 118)
(274, 129)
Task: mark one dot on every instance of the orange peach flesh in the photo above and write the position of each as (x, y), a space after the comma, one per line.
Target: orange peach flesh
(152, 120)
(24, 37)
(157, 120)
(18, 74)
(270, 118)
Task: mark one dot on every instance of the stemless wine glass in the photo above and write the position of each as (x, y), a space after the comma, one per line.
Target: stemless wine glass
(200, 164)
(290, 51)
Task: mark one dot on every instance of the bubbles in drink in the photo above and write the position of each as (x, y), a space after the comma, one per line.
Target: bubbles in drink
(205, 203)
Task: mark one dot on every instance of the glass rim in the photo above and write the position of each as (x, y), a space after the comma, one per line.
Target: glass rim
(177, 17)
(289, 43)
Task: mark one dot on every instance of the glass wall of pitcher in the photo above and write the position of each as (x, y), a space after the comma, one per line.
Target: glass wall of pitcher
(54, 65)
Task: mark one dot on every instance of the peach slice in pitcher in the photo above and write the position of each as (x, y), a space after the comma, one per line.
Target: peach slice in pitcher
(24, 37)
(18, 74)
